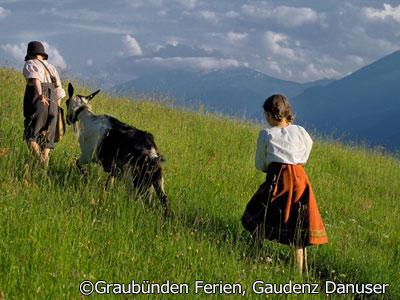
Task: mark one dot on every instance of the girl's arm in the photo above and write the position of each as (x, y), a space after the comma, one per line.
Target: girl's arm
(307, 142)
(38, 88)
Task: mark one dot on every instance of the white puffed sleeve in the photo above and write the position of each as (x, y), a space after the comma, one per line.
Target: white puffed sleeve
(261, 152)
(31, 70)
(60, 93)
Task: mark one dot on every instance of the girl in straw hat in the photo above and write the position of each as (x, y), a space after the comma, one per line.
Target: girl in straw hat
(41, 100)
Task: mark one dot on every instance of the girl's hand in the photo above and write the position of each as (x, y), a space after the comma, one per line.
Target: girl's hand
(43, 99)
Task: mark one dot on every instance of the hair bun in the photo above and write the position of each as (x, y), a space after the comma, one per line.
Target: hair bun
(279, 107)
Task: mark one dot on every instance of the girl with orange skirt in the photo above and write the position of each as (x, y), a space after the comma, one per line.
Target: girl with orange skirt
(284, 207)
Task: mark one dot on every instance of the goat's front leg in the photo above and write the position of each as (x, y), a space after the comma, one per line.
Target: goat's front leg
(82, 169)
(84, 159)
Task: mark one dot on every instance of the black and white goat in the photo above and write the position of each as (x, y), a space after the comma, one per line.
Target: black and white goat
(117, 146)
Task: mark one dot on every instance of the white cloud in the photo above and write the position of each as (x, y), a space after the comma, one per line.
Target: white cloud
(311, 72)
(209, 16)
(144, 3)
(356, 59)
(232, 14)
(287, 59)
(387, 11)
(173, 41)
(79, 14)
(293, 16)
(16, 51)
(189, 4)
(252, 10)
(134, 4)
(19, 51)
(4, 13)
(132, 47)
(54, 56)
(285, 15)
(278, 44)
(98, 28)
(274, 67)
(359, 35)
(194, 63)
(158, 3)
(162, 13)
(236, 36)
(89, 62)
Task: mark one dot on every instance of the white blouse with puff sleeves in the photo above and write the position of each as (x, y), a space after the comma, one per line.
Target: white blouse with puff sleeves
(290, 145)
(33, 68)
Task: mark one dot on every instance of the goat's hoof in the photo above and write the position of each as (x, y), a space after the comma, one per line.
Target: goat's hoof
(105, 187)
(166, 211)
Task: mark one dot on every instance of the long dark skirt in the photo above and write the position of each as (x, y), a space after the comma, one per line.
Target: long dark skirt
(40, 120)
(284, 208)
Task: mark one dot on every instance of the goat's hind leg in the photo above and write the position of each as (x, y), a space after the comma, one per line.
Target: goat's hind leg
(159, 187)
(108, 184)
(145, 192)
(149, 194)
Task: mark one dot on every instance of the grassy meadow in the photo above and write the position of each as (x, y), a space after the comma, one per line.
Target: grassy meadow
(57, 229)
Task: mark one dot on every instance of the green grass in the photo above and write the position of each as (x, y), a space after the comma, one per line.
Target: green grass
(57, 229)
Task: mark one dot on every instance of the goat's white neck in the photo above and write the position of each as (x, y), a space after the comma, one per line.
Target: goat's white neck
(84, 117)
(84, 114)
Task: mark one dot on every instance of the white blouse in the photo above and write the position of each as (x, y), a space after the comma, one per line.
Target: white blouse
(33, 68)
(290, 145)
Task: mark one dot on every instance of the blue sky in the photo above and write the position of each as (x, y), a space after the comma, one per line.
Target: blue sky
(294, 40)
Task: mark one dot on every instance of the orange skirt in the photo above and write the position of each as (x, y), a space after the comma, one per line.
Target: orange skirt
(284, 208)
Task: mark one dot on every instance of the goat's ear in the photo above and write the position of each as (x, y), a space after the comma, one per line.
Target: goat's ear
(70, 90)
(90, 97)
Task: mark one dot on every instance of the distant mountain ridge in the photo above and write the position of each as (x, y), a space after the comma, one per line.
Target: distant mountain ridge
(236, 91)
(364, 105)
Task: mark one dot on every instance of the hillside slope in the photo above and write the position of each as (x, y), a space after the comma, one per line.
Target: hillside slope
(56, 229)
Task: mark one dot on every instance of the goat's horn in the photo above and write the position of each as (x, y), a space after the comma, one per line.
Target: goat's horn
(90, 97)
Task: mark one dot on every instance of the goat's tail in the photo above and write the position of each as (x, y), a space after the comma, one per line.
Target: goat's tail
(157, 159)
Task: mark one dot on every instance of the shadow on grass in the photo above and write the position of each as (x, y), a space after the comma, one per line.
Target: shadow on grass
(228, 230)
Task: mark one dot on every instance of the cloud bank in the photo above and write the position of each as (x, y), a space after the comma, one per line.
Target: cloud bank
(293, 40)
(18, 52)
(387, 12)
(4, 13)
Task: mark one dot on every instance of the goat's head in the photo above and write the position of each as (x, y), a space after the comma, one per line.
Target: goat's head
(75, 104)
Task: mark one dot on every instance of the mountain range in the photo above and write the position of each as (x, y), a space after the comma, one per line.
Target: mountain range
(237, 91)
(363, 106)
